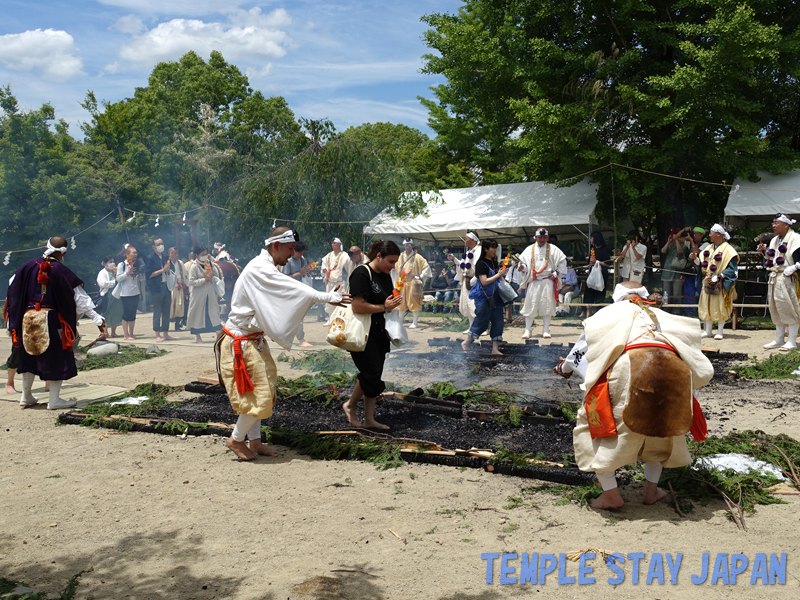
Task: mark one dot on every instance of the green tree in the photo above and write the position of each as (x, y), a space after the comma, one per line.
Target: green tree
(550, 90)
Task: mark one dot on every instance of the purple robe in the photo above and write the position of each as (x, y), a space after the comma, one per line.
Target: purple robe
(24, 292)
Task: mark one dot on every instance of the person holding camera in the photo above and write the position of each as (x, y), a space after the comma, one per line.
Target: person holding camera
(632, 258)
(676, 252)
(440, 285)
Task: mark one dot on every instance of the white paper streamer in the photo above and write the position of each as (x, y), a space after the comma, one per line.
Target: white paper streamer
(72, 242)
(157, 218)
(7, 259)
(132, 218)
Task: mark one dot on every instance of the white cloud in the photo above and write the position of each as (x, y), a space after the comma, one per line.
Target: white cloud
(255, 74)
(260, 37)
(129, 24)
(175, 7)
(347, 112)
(50, 51)
(327, 75)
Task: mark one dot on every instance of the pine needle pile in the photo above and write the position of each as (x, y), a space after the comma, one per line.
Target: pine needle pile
(156, 394)
(332, 360)
(777, 366)
(322, 388)
(452, 323)
(127, 355)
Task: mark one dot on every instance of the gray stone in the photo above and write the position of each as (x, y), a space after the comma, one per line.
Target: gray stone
(103, 350)
(152, 349)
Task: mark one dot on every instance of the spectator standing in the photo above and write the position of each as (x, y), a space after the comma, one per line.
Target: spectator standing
(693, 282)
(632, 258)
(297, 268)
(128, 276)
(676, 252)
(488, 304)
(514, 278)
(598, 253)
(106, 281)
(180, 293)
(156, 268)
(203, 300)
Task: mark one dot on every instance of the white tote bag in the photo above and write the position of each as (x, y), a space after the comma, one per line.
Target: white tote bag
(595, 279)
(349, 330)
(395, 328)
(117, 290)
(219, 287)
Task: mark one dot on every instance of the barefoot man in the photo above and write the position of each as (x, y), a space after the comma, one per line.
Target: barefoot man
(641, 367)
(266, 305)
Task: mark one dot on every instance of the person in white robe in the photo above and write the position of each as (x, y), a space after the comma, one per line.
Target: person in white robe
(783, 262)
(605, 352)
(417, 272)
(543, 264)
(465, 271)
(203, 314)
(333, 266)
(266, 304)
(180, 292)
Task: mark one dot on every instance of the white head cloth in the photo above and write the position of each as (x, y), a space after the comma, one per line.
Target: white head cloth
(283, 238)
(473, 236)
(336, 241)
(785, 219)
(51, 249)
(622, 291)
(721, 230)
(218, 246)
(407, 241)
(541, 231)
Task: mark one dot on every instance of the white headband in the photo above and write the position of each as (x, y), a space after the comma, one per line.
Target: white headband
(336, 241)
(407, 241)
(218, 246)
(51, 249)
(282, 238)
(721, 230)
(785, 219)
(473, 236)
(621, 291)
(541, 231)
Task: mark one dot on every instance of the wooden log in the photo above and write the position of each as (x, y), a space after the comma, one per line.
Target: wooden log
(207, 379)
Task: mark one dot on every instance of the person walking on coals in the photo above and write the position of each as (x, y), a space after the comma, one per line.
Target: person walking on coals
(371, 290)
(488, 305)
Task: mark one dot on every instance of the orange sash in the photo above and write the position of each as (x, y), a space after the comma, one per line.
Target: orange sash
(243, 382)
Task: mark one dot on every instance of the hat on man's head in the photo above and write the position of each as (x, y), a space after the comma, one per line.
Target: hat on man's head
(408, 241)
(336, 241)
(785, 219)
(717, 228)
(541, 231)
(473, 236)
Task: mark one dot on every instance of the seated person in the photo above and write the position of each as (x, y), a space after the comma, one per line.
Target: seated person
(569, 289)
(441, 285)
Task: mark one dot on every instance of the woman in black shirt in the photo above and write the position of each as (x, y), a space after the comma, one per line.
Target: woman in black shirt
(488, 304)
(371, 290)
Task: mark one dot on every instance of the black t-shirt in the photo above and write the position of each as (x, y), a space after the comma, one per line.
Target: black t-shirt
(373, 292)
(482, 268)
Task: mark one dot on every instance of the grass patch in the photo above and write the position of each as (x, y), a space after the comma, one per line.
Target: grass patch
(127, 355)
(156, 394)
(7, 586)
(323, 387)
(503, 454)
(510, 528)
(451, 322)
(777, 366)
(331, 360)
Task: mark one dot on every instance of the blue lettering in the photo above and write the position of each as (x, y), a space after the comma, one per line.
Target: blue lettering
(489, 557)
(635, 557)
(585, 570)
(544, 567)
(611, 561)
(562, 571)
(759, 569)
(674, 567)
(506, 570)
(527, 570)
(777, 569)
(656, 570)
(720, 569)
(739, 564)
(698, 579)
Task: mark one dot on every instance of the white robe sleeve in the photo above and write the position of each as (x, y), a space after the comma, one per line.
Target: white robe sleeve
(575, 362)
(85, 306)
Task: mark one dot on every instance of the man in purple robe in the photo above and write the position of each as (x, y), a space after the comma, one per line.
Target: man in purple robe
(45, 300)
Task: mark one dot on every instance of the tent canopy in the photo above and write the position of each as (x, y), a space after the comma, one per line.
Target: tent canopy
(511, 213)
(755, 204)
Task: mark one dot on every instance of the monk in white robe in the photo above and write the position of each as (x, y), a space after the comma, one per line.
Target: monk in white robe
(783, 262)
(720, 268)
(652, 363)
(465, 271)
(266, 305)
(333, 267)
(543, 264)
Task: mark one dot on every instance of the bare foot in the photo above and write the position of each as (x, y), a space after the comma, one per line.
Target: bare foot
(158, 340)
(496, 353)
(240, 449)
(352, 418)
(466, 344)
(167, 338)
(10, 388)
(199, 341)
(608, 500)
(653, 493)
(260, 447)
(373, 424)
(130, 337)
(305, 344)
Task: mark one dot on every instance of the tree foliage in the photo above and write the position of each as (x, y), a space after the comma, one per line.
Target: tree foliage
(550, 90)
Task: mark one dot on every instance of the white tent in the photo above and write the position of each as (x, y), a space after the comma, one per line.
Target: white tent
(755, 204)
(511, 213)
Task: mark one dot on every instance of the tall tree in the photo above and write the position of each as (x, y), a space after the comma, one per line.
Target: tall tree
(550, 90)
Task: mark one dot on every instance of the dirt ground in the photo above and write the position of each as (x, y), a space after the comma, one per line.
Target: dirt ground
(150, 516)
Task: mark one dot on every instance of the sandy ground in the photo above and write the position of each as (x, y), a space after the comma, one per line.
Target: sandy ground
(150, 516)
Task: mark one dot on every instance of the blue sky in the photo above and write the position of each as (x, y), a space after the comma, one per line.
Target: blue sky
(352, 62)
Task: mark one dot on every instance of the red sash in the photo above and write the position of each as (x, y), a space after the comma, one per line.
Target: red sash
(240, 374)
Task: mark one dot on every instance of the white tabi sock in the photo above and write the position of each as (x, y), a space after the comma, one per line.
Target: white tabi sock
(545, 324)
(720, 327)
(606, 479)
(709, 325)
(416, 318)
(55, 390)
(27, 386)
(793, 329)
(255, 431)
(243, 424)
(779, 332)
(652, 471)
(528, 322)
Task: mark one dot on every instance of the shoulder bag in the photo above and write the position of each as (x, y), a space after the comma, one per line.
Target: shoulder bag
(347, 329)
